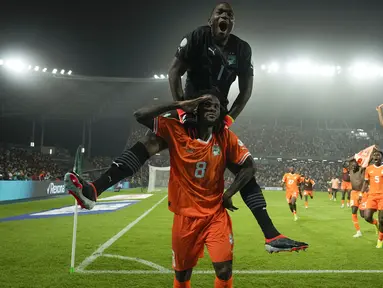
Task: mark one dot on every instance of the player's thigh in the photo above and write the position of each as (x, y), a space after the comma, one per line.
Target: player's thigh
(153, 143)
(187, 243)
(219, 238)
(354, 201)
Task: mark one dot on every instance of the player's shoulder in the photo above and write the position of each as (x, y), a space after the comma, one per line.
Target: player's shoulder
(242, 44)
(170, 120)
(201, 31)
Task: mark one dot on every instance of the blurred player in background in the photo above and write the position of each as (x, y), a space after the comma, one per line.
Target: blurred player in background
(346, 186)
(357, 196)
(308, 186)
(374, 180)
(196, 185)
(335, 183)
(290, 182)
(212, 58)
(380, 114)
(329, 189)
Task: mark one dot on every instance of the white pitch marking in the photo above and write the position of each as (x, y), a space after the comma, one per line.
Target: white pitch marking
(110, 242)
(142, 261)
(148, 272)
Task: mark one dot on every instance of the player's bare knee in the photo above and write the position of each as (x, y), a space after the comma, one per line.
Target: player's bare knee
(183, 276)
(223, 270)
(368, 217)
(153, 143)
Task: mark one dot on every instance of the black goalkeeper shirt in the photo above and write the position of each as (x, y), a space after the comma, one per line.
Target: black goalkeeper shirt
(208, 67)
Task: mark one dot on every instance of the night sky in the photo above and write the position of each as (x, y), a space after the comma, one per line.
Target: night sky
(119, 38)
(139, 39)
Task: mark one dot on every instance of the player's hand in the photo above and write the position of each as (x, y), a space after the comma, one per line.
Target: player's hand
(190, 105)
(379, 107)
(228, 203)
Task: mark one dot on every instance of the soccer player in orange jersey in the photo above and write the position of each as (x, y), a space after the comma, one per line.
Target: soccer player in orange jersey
(374, 180)
(196, 185)
(308, 186)
(291, 182)
(346, 186)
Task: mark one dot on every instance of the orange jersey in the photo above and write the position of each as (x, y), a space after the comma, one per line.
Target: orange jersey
(374, 175)
(292, 181)
(197, 167)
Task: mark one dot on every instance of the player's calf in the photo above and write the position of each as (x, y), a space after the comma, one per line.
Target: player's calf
(223, 272)
(182, 278)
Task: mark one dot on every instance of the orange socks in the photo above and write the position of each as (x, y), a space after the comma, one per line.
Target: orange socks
(355, 221)
(380, 236)
(218, 283)
(342, 202)
(177, 284)
(375, 222)
(306, 204)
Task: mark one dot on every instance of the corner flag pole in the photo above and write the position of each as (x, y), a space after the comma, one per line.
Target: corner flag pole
(77, 168)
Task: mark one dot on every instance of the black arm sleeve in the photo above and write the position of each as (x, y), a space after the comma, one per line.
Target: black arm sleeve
(189, 48)
(245, 64)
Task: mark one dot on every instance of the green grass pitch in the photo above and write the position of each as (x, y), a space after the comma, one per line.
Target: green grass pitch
(36, 252)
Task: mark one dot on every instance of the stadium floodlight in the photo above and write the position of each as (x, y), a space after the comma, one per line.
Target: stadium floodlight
(54, 71)
(167, 76)
(294, 159)
(158, 154)
(255, 158)
(324, 160)
(156, 77)
(29, 67)
(273, 68)
(83, 150)
(162, 76)
(1, 62)
(15, 65)
(340, 161)
(45, 70)
(62, 72)
(50, 151)
(32, 144)
(263, 67)
(37, 68)
(70, 72)
(365, 70)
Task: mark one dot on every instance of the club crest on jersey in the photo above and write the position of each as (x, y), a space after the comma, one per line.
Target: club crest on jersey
(216, 150)
(232, 59)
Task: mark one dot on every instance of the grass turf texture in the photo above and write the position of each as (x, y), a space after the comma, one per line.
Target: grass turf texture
(36, 252)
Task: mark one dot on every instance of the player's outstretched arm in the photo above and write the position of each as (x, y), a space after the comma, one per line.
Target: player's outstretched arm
(245, 174)
(245, 84)
(146, 115)
(177, 69)
(380, 114)
(366, 183)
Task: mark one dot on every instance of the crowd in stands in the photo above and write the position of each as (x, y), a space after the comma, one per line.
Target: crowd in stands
(317, 152)
(27, 164)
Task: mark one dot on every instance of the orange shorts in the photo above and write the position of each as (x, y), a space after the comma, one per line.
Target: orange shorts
(354, 201)
(290, 195)
(363, 202)
(346, 186)
(190, 235)
(308, 193)
(375, 202)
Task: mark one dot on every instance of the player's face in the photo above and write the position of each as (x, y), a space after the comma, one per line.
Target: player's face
(377, 158)
(222, 21)
(210, 111)
(353, 166)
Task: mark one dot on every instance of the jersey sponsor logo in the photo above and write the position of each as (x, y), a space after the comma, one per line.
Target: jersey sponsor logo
(216, 150)
(69, 211)
(240, 143)
(55, 189)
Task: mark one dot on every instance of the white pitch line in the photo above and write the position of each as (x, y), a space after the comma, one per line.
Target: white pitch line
(139, 260)
(110, 242)
(151, 272)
